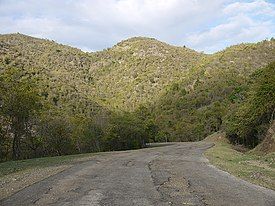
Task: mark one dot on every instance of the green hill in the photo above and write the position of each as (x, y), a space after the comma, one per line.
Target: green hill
(136, 71)
(62, 72)
(196, 106)
(132, 72)
(147, 88)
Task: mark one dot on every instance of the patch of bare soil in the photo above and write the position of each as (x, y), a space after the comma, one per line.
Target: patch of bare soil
(268, 144)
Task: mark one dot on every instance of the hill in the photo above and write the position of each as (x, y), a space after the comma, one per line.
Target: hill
(133, 72)
(130, 73)
(139, 90)
(197, 106)
(62, 72)
(137, 71)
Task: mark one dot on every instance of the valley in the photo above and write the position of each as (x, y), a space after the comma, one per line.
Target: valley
(67, 116)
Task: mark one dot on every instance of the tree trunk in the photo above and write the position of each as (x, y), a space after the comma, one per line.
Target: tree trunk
(17, 132)
(16, 147)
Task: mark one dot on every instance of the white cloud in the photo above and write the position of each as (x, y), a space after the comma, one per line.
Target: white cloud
(34, 26)
(97, 24)
(244, 22)
(238, 29)
(256, 7)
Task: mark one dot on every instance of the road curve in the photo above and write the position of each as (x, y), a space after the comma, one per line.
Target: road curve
(176, 174)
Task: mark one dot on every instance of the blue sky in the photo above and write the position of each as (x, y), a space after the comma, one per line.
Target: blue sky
(92, 25)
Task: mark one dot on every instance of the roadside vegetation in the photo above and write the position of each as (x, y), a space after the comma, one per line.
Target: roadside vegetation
(32, 127)
(248, 123)
(257, 169)
(219, 95)
(246, 148)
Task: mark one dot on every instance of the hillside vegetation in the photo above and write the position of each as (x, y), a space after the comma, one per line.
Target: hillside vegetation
(58, 100)
(136, 71)
(252, 117)
(197, 106)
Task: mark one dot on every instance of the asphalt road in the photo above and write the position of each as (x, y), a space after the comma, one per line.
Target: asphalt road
(176, 174)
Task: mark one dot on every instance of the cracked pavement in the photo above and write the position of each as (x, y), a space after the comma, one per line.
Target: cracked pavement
(176, 174)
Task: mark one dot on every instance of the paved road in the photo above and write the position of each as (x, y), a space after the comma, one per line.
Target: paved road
(177, 174)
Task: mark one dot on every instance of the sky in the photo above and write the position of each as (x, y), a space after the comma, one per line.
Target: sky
(93, 25)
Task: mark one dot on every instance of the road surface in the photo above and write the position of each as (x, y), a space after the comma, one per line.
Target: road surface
(176, 174)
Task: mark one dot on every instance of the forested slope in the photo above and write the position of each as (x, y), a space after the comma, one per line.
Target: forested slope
(197, 106)
(139, 90)
(137, 71)
(132, 72)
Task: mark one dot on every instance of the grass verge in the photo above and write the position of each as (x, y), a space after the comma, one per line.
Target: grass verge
(16, 175)
(253, 168)
(10, 167)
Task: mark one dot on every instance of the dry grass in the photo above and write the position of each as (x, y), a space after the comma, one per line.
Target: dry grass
(256, 169)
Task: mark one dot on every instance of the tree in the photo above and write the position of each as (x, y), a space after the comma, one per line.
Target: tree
(19, 104)
(56, 133)
(87, 135)
(5, 143)
(125, 132)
